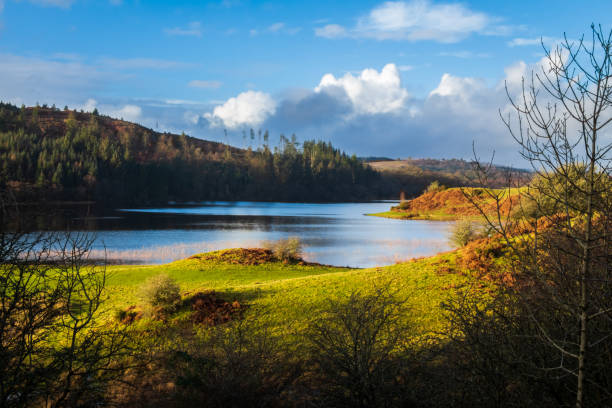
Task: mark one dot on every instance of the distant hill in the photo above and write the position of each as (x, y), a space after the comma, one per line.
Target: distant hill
(47, 154)
(414, 175)
(52, 154)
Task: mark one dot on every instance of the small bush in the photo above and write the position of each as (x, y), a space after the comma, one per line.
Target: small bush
(435, 186)
(286, 250)
(465, 231)
(161, 291)
(404, 205)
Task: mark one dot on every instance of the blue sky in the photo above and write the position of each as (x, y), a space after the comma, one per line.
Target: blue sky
(409, 78)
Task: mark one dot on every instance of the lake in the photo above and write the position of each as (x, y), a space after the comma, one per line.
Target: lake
(336, 234)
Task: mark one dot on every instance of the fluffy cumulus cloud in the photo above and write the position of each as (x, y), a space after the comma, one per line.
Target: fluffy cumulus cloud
(372, 113)
(371, 92)
(458, 87)
(250, 108)
(416, 20)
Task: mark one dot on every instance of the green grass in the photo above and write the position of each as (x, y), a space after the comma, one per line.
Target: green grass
(194, 274)
(289, 295)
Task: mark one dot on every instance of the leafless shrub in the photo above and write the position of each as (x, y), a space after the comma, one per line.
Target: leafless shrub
(286, 250)
(55, 350)
(356, 347)
(465, 231)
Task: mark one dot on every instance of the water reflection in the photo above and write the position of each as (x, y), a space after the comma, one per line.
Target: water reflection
(337, 234)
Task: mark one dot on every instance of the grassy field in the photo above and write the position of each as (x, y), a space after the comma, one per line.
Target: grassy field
(292, 294)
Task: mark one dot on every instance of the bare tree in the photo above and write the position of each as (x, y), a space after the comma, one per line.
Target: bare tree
(55, 350)
(358, 351)
(562, 243)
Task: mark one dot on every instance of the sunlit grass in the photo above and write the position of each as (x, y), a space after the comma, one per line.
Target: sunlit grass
(288, 296)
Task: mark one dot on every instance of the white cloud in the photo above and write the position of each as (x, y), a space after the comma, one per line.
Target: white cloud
(191, 117)
(330, 31)
(370, 113)
(515, 74)
(405, 68)
(89, 105)
(417, 20)
(131, 113)
(249, 108)
(180, 102)
(459, 87)
(371, 92)
(293, 30)
(29, 80)
(253, 32)
(276, 27)
(421, 20)
(193, 29)
(196, 83)
(281, 28)
(521, 42)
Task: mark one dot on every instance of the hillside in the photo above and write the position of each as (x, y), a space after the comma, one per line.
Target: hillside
(49, 154)
(414, 175)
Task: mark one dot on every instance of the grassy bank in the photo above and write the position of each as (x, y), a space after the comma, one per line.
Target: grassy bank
(292, 294)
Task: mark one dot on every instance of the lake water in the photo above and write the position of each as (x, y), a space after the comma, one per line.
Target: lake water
(336, 234)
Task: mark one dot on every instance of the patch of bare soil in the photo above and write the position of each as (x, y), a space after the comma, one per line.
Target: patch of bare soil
(210, 310)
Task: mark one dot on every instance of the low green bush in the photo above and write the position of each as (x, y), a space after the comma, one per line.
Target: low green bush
(161, 291)
(435, 186)
(465, 231)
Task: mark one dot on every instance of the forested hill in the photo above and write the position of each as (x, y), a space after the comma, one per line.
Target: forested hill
(52, 154)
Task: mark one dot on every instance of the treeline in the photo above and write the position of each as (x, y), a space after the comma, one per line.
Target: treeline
(53, 154)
